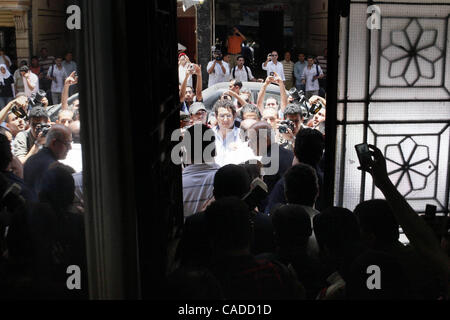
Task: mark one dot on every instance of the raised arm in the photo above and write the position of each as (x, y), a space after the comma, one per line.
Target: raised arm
(236, 30)
(28, 81)
(20, 101)
(199, 85)
(184, 85)
(212, 66)
(71, 80)
(283, 95)
(418, 232)
(262, 93)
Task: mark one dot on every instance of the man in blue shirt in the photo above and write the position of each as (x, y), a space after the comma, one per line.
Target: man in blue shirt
(298, 71)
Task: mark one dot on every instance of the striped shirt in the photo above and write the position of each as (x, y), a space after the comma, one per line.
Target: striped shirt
(288, 68)
(46, 63)
(198, 185)
(323, 64)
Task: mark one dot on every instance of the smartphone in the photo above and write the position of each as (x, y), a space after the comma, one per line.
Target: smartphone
(364, 155)
(430, 211)
(272, 74)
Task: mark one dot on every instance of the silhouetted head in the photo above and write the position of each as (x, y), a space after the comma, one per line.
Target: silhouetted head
(301, 185)
(231, 180)
(292, 225)
(379, 229)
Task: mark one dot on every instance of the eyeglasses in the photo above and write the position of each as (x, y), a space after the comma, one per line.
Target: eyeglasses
(223, 116)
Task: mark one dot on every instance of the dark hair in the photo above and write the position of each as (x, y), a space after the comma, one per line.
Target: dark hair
(35, 57)
(238, 83)
(240, 57)
(228, 224)
(24, 62)
(24, 69)
(38, 112)
(309, 146)
(250, 108)
(231, 181)
(293, 109)
(224, 104)
(196, 134)
(310, 57)
(301, 185)
(292, 225)
(57, 187)
(5, 152)
(376, 217)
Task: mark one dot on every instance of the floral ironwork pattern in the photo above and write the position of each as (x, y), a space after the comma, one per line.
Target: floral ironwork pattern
(412, 53)
(409, 165)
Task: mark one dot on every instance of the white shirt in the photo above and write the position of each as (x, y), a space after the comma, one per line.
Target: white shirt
(309, 74)
(217, 75)
(241, 74)
(272, 67)
(34, 80)
(198, 185)
(74, 158)
(60, 75)
(182, 74)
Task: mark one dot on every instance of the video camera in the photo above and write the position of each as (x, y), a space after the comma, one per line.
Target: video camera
(43, 127)
(36, 99)
(285, 125)
(300, 97)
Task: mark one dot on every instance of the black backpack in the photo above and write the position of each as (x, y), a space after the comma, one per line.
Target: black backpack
(234, 72)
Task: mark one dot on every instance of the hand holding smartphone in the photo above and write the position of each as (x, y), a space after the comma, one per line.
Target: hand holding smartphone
(364, 156)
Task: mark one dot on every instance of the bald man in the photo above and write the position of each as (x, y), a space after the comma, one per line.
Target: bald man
(57, 145)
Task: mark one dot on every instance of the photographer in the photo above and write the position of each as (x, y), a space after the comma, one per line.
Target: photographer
(28, 143)
(318, 121)
(219, 70)
(187, 95)
(271, 65)
(288, 128)
(272, 102)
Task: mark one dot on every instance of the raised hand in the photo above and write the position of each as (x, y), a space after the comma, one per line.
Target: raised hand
(72, 79)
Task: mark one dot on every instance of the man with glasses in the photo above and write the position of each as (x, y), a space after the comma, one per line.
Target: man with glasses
(271, 65)
(229, 146)
(57, 145)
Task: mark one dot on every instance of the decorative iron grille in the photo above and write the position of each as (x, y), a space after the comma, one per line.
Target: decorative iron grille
(394, 92)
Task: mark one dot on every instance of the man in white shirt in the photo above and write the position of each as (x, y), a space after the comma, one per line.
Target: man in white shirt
(219, 70)
(271, 65)
(310, 77)
(58, 75)
(30, 81)
(241, 72)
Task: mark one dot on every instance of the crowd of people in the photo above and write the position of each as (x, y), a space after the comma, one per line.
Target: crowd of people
(41, 207)
(256, 224)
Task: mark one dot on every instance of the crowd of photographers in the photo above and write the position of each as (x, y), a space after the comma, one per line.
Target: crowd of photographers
(256, 225)
(41, 206)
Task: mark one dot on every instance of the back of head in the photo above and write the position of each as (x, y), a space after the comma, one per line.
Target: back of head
(301, 185)
(57, 187)
(57, 132)
(337, 229)
(309, 146)
(200, 144)
(5, 152)
(379, 227)
(75, 129)
(292, 225)
(231, 180)
(253, 169)
(228, 222)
